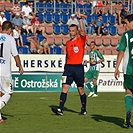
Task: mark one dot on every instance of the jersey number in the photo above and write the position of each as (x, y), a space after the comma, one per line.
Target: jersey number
(131, 41)
(1, 50)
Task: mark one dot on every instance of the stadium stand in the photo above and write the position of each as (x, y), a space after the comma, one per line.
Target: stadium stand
(56, 30)
(1, 6)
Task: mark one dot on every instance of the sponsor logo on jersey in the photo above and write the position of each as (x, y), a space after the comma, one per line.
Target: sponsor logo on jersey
(76, 50)
(2, 38)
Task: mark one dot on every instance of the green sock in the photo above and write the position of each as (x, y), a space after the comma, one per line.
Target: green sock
(128, 102)
(95, 89)
(89, 86)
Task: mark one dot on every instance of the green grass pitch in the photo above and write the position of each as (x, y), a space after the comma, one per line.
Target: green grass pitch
(31, 113)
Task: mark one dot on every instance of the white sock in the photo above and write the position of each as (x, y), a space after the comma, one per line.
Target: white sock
(5, 98)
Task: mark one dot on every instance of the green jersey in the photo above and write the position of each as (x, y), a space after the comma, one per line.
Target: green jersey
(126, 45)
(95, 56)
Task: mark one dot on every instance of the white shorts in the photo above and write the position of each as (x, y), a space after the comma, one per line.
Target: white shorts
(6, 85)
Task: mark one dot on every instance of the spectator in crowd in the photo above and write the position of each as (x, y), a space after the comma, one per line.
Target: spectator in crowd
(72, 20)
(86, 26)
(91, 28)
(58, 1)
(64, 1)
(2, 18)
(37, 25)
(17, 20)
(26, 9)
(104, 29)
(88, 2)
(43, 47)
(99, 4)
(27, 24)
(50, 1)
(98, 24)
(34, 44)
(17, 36)
(124, 12)
(15, 9)
(80, 2)
(30, 4)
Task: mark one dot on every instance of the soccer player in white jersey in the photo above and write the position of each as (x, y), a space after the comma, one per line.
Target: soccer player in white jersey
(125, 51)
(7, 48)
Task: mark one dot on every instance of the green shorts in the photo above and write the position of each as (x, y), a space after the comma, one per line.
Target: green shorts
(128, 82)
(92, 74)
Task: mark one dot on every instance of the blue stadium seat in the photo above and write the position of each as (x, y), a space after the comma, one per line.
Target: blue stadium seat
(57, 7)
(87, 8)
(64, 18)
(65, 8)
(57, 50)
(105, 18)
(56, 18)
(21, 4)
(17, 48)
(8, 15)
(48, 17)
(40, 37)
(51, 50)
(111, 19)
(40, 6)
(56, 29)
(25, 49)
(94, 16)
(81, 7)
(24, 38)
(89, 18)
(49, 7)
(40, 16)
(64, 29)
(112, 30)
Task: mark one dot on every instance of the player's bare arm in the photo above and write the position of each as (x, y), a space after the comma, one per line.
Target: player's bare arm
(18, 62)
(119, 58)
(82, 29)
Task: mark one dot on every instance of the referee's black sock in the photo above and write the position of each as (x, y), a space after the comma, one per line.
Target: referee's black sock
(63, 97)
(83, 101)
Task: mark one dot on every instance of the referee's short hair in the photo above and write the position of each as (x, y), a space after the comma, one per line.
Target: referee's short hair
(6, 25)
(74, 25)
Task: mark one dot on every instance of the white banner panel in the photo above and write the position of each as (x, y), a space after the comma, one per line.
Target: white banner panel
(107, 83)
(55, 63)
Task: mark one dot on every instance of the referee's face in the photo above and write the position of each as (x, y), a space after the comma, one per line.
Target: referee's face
(73, 32)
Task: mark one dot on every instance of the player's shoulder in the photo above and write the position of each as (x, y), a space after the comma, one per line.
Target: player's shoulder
(9, 36)
(128, 32)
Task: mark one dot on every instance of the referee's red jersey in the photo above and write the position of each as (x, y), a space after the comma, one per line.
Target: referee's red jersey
(75, 50)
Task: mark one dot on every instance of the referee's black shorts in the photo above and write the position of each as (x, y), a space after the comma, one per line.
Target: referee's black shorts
(73, 73)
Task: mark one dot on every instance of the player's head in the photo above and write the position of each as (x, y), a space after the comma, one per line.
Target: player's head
(92, 45)
(7, 26)
(73, 31)
(129, 21)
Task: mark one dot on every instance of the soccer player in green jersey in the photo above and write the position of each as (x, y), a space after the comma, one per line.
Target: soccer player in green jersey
(92, 74)
(125, 51)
